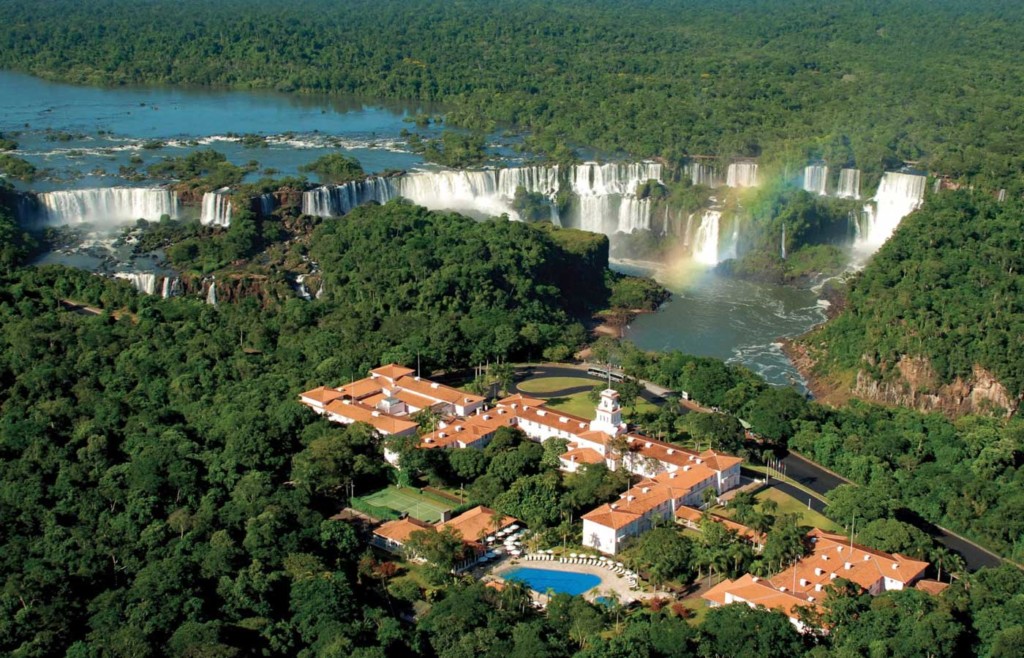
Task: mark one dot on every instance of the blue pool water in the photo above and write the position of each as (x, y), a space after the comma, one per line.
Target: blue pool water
(542, 580)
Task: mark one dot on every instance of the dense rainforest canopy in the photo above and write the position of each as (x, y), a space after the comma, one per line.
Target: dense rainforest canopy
(164, 493)
(866, 82)
(948, 287)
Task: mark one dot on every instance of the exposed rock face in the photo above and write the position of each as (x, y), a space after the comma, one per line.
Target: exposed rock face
(235, 287)
(917, 387)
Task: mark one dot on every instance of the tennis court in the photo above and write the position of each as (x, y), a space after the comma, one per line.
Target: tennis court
(409, 501)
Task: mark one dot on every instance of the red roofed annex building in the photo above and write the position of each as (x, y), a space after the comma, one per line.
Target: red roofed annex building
(803, 584)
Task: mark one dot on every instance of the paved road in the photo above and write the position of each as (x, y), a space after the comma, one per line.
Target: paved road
(817, 479)
(811, 475)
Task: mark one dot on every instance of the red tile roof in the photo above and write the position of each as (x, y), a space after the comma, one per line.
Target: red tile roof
(322, 394)
(476, 523)
(583, 456)
(392, 371)
(399, 531)
(834, 554)
(694, 515)
(756, 591)
(359, 413)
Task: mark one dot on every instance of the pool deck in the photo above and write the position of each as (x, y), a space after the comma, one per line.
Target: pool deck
(610, 582)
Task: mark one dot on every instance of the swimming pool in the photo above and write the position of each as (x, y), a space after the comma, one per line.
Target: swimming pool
(542, 580)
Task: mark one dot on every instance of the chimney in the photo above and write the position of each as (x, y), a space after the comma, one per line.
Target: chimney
(848, 566)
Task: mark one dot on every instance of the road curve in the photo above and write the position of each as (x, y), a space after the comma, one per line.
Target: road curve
(821, 481)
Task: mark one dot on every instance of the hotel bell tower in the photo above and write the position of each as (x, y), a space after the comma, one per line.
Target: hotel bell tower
(609, 414)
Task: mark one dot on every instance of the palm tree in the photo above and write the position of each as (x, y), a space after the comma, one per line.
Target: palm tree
(497, 521)
(515, 596)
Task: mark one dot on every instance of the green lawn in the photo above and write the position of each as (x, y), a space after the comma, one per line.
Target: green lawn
(789, 505)
(760, 471)
(546, 385)
(578, 405)
(581, 405)
(700, 610)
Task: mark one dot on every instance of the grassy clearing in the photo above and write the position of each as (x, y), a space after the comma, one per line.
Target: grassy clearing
(546, 385)
(789, 505)
(577, 405)
(700, 610)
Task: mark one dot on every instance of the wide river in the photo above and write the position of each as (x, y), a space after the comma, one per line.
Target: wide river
(82, 137)
(737, 321)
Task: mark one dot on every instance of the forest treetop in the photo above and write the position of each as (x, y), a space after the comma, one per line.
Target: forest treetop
(866, 82)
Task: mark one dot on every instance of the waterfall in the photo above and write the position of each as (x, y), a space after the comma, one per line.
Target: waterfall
(783, 242)
(265, 204)
(338, 200)
(849, 184)
(607, 196)
(144, 282)
(26, 208)
(211, 292)
(742, 174)
(109, 205)
(216, 208)
(898, 195)
(816, 179)
(733, 249)
(300, 285)
(606, 193)
(705, 243)
(702, 174)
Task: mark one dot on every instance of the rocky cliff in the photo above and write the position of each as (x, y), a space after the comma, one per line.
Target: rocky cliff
(912, 383)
